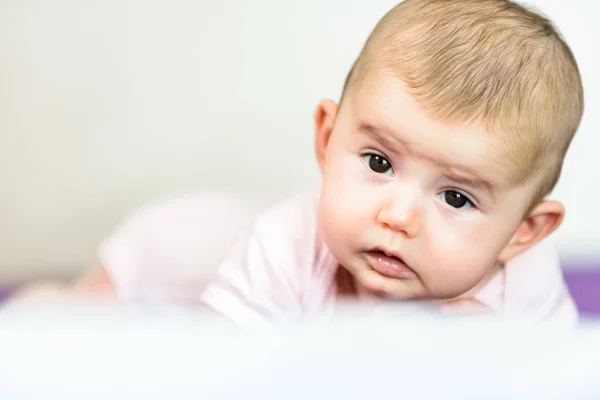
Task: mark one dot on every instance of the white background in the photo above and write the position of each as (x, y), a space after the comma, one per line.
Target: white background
(107, 105)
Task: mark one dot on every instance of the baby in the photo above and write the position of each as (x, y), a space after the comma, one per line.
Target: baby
(451, 131)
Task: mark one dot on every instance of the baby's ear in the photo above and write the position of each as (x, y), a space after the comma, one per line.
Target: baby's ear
(539, 224)
(325, 115)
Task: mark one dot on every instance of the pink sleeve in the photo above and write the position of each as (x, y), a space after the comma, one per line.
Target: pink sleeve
(535, 285)
(260, 281)
(168, 251)
(249, 289)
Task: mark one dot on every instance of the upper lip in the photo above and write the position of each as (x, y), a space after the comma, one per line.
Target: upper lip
(389, 253)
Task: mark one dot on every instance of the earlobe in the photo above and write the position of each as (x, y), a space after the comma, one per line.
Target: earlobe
(325, 116)
(545, 218)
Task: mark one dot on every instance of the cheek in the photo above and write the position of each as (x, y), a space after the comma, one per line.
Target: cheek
(459, 255)
(345, 192)
(345, 202)
(336, 225)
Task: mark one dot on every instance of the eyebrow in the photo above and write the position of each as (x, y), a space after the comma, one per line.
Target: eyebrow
(381, 136)
(384, 137)
(476, 183)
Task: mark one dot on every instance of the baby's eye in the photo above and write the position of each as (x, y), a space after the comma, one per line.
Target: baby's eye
(456, 200)
(377, 163)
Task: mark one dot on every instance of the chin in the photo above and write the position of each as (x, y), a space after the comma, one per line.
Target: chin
(393, 289)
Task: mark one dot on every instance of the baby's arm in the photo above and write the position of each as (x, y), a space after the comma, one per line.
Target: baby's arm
(96, 280)
(265, 277)
(164, 251)
(93, 284)
(256, 285)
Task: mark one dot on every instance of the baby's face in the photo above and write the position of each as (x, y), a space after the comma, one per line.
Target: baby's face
(411, 207)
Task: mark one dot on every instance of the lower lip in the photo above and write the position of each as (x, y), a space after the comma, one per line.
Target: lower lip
(389, 266)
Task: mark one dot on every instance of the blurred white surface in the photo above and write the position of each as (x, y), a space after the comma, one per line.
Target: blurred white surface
(107, 105)
(74, 353)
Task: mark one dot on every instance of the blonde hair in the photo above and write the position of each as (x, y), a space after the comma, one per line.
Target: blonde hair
(492, 62)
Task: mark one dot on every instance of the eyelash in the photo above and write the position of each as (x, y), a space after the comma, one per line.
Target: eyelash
(365, 157)
(466, 197)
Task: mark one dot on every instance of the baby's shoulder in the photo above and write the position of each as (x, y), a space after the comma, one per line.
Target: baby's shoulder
(278, 269)
(535, 284)
(290, 231)
(293, 217)
(538, 267)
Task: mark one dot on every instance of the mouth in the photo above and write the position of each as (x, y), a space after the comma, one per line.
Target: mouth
(389, 265)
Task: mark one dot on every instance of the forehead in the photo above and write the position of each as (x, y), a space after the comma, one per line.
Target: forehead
(383, 106)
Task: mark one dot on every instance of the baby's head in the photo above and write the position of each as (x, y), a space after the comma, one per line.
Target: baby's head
(451, 131)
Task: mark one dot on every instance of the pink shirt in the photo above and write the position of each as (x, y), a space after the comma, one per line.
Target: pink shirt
(275, 267)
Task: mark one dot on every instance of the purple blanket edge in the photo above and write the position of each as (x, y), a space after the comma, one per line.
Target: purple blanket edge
(583, 280)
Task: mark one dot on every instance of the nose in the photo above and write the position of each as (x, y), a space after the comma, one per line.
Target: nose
(401, 212)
